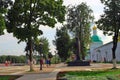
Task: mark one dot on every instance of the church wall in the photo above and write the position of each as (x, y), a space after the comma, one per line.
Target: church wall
(94, 45)
(118, 52)
(104, 53)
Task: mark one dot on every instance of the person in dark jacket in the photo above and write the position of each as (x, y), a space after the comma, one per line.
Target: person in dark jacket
(41, 63)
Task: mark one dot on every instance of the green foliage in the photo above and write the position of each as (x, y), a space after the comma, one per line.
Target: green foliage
(2, 24)
(92, 75)
(95, 73)
(63, 43)
(70, 77)
(9, 77)
(55, 59)
(45, 46)
(2, 59)
(50, 55)
(25, 17)
(13, 59)
(110, 20)
(78, 23)
(3, 10)
(42, 46)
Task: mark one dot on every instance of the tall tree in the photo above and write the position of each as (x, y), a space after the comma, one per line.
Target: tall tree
(3, 10)
(62, 43)
(25, 17)
(78, 20)
(110, 22)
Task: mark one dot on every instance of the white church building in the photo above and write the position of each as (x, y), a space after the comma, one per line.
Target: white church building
(100, 52)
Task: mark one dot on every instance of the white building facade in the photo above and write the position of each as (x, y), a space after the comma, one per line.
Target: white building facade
(104, 53)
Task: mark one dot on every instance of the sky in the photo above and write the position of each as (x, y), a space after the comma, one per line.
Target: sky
(9, 45)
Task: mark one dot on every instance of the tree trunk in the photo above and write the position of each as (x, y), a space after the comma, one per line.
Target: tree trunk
(114, 57)
(30, 56)
(114, 64)
(78, 48)
(83, 56)
(115, 40)
(82, 50)
(30, 38)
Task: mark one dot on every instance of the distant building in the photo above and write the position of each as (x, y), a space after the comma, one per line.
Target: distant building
(100, 52)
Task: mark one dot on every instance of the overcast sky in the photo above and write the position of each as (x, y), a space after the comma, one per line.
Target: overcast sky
(9, 45)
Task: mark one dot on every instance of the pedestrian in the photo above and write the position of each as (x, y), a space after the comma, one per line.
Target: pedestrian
(6, 63)
(41, 63)
(47, 62)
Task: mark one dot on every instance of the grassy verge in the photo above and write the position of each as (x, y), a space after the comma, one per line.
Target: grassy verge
(9, 77)
(90, 75)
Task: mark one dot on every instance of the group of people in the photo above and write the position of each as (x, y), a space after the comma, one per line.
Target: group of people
(7, 63)
(46, 61)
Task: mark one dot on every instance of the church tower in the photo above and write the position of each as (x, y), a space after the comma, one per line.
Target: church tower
(95, 42)
(95, 38)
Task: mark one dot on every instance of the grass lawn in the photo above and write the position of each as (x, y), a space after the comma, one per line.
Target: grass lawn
(90, 75)
(9, 77)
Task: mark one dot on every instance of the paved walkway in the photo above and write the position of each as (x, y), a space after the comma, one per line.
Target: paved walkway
(62, 67)
(42, 76)
(49, 73)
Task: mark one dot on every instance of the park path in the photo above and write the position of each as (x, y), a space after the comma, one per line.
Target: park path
(63, 67)
(44, 75)
(49, 73)
(12, 70)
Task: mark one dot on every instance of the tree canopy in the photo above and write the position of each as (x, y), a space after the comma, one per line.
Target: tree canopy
(111, 18)
(25, 17)
(4, 4)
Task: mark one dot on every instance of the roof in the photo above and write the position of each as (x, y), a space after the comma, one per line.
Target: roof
(96, 38)
(104, 45)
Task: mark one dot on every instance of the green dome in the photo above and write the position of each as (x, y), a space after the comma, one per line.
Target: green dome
(96, 38)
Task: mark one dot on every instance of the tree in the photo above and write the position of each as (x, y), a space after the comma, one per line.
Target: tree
(42, 46)
(25, 17)
(110, 22)
(78, 21)
(12, 59)
(3, 10)
(2, 59)
(62, 43)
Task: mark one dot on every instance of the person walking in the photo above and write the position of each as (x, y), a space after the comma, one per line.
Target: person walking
(41, 63)
(47, 62)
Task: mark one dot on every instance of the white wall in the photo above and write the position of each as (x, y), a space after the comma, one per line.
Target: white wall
(92, 51)
(105, 52)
